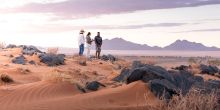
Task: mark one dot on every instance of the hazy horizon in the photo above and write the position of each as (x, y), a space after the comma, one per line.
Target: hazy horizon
(57, 23)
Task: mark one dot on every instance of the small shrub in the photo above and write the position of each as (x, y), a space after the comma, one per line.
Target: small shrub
(194, 61)
(194, 100)
(6, 78)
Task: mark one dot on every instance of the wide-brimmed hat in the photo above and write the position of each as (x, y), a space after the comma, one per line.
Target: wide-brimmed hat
(82, 31)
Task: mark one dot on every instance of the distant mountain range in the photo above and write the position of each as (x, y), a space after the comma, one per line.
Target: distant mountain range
(121, 44)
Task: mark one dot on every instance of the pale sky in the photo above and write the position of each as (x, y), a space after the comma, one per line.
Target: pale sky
(153, 22)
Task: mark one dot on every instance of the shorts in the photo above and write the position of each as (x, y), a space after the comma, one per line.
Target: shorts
(98, 48)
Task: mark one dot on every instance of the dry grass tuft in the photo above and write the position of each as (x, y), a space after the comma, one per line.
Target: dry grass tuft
(61, 77)
(52, 50)
(215, 62)
(194, 100)
(5, 78)
(195, 68)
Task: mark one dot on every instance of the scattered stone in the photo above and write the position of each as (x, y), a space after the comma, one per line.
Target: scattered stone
(94, 86)
(82, 62)
(19, 60)
(181, 67)
(52, 59)
(29, 50)
(11, 46)
(108, 57)
(32, 62)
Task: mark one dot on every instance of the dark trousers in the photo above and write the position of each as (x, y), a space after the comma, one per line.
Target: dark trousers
(81, 49)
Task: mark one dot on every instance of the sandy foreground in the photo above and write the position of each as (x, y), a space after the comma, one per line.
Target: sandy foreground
(39, 87)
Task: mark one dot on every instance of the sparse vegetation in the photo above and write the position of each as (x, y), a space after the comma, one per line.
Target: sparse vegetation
(195, 68)
(194, 100)
(5, 78)
(193, 60)
(215, 62)
(53, 50)
(61, 77)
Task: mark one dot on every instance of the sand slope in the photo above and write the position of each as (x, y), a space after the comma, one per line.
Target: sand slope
(35, 87)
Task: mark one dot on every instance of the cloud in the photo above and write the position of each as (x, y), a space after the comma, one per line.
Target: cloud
(200, 30)
(87, 8)
(65, 27)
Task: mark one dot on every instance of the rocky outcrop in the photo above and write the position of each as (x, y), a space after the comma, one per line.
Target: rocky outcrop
(19, 60)
(167, 83)
(29, 50)
(11, 46)
(52, 59)
(108, 57)
(125, 73)
(211, 70)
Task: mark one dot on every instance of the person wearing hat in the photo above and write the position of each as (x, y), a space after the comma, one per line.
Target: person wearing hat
(81, 42)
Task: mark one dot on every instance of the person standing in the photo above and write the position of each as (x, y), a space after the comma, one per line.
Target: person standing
(98, 42)
(81, 42)
(88, 44)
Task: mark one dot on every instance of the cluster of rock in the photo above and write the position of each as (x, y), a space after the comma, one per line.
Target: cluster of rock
(205, 69)
(49, 59)
(52, 59)
(163, 82)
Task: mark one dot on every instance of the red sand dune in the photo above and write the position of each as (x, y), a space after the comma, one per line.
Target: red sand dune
(32, 91)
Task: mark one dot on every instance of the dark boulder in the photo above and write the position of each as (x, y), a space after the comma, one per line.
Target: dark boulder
(30, 50)
(123, 76)
(94, 85)
(11, 46)
(214, 84)
(32, 62)
(181, 81)
(137, 64)
(181, 67)
(211, 70)
(19, 60)
(147, 73)
(163, 88)
(52, 59)
(108, 57)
